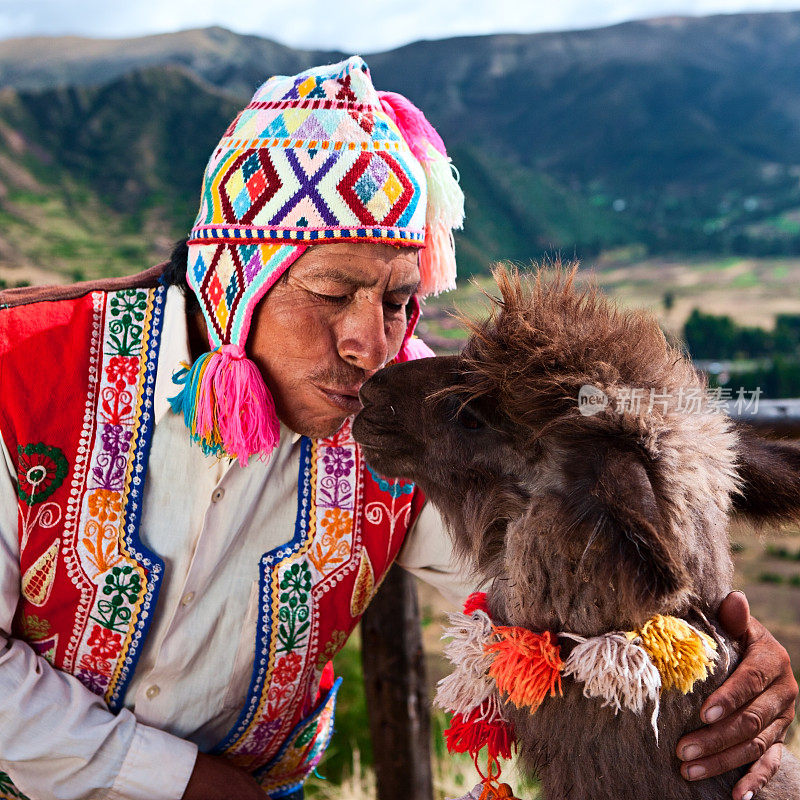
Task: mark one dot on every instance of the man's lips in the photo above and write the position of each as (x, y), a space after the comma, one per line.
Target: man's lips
(345, 397)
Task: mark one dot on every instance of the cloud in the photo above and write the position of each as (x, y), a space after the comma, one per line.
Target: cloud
(350, 25)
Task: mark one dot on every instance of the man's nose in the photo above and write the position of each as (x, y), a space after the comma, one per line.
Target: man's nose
(362, 336)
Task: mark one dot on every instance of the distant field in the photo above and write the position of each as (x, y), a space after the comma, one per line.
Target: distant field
(750, 290)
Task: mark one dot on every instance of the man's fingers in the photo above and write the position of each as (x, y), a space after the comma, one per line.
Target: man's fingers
(747, 716)
(734, 614)
(759, 724)
(759, 774)
(743, 753)
(765, 665)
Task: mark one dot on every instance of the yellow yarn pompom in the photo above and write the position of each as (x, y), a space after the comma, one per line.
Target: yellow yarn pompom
(682, 654)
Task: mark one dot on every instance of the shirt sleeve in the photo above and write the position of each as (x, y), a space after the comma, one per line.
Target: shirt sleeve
(58, 739)
(428, 553)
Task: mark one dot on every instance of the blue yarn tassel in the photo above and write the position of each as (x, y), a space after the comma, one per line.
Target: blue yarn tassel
(185, 402)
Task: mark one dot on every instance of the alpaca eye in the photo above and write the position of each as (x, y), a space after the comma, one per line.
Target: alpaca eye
(466, 419)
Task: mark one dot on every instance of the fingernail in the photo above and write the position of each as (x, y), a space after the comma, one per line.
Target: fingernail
(696, 772)
(747, 796)
(713, 714)
(691, 752)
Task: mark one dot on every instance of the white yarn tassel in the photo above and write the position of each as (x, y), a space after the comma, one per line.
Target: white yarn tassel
(437, 260)
(469, 685)
(491, 709)
(445, 211)
(709, 644)
(718, 640)
(616, 670)
(445, 197)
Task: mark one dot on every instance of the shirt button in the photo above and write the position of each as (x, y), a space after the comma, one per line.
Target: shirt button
(153, 692)
(218, 495)
(187, 599)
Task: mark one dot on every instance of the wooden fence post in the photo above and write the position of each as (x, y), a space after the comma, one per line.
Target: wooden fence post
(397, 699)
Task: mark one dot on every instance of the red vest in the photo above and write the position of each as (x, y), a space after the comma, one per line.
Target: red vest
(76, 380)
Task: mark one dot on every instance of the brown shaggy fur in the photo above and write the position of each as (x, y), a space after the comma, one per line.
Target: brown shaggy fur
(583, 523)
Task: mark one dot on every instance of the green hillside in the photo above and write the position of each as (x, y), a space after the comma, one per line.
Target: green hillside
(672, 136)
(102, 180)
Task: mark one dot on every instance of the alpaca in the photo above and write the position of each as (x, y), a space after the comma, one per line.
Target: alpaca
(586, 523)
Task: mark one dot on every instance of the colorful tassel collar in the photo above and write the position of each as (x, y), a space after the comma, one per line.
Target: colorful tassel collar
(626, 670)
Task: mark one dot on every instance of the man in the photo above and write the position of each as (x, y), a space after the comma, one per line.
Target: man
(157, 596)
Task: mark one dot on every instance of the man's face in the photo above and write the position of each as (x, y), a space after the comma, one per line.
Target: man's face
(337, 318)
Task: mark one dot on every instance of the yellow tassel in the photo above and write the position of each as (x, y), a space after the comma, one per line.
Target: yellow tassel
(682, 654)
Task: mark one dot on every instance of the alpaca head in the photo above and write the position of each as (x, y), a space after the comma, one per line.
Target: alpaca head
(583, 522)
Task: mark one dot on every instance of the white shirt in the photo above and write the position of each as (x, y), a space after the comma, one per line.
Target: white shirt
(210, 521)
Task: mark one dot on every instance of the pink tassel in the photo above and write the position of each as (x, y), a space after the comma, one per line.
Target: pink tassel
(413, 349)
(235, 406)
(445, 203)
(413, 125)
(437, 260)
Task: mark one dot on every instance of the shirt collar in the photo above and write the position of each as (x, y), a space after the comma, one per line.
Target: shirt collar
(174, 351)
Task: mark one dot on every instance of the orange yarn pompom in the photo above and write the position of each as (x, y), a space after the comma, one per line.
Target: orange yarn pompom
(501, 791)
(527, 665)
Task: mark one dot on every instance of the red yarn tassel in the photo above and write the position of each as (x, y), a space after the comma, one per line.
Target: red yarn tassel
(472, 734)
(476, 602)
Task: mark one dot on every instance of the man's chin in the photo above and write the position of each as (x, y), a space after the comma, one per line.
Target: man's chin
(318, 429)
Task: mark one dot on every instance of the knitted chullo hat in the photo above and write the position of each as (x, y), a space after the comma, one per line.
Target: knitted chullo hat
(315, 158)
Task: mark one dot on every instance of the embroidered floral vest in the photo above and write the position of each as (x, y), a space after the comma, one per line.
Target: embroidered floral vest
(77, 377)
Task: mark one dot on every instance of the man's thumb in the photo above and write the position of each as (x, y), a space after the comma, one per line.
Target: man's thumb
(734, 614)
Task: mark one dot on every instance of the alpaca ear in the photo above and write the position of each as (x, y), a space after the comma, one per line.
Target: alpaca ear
(614, 493)
(770, 478)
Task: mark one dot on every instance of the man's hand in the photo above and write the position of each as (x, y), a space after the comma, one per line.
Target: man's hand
(214, 778)
(748, 715)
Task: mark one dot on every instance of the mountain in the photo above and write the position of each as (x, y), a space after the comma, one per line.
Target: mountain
(102, 180)
(677, 134)
(225, 59)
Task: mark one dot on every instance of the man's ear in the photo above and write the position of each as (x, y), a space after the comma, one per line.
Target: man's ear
(770, 478)
(614, 493)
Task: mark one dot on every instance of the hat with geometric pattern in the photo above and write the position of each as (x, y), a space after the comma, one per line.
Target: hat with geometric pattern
(316, 158)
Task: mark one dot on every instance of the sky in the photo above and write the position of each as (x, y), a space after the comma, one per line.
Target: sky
(351, 25)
